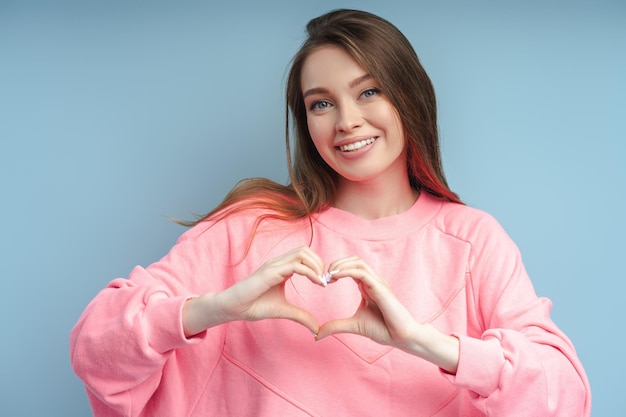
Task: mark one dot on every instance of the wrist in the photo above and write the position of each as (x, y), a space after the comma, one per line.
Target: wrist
(436, 347)
(201, 313)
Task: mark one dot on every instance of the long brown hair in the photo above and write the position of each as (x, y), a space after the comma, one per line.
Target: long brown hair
(382, 50)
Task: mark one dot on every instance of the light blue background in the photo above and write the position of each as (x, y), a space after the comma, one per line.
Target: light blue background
(114, 115)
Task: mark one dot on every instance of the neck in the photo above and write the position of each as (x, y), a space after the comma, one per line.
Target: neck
(376, 199)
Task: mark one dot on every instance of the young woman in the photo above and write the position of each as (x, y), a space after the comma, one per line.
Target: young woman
(364, 287)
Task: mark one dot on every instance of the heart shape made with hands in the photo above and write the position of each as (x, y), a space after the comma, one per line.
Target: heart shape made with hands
(339, 299)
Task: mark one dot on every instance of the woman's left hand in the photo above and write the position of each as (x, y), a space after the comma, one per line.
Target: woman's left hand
(382, 318)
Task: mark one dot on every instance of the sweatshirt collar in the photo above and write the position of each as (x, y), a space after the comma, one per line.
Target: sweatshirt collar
(384, 228)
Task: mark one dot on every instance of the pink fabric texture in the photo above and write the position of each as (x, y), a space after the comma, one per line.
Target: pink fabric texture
(451, 265)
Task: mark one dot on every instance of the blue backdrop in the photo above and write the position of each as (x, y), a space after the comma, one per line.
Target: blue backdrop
(115, 115)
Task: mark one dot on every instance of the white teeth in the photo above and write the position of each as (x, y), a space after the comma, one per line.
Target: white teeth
(356, 145)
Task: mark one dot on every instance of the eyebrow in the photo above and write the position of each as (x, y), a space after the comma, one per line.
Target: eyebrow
(353, 83)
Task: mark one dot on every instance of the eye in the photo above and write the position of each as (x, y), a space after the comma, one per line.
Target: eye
(370, 92)
(319, 105)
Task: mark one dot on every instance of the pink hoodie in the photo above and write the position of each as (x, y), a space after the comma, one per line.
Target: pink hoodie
(451, 265)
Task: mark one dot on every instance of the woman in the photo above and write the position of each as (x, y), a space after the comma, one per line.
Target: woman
(418, 304)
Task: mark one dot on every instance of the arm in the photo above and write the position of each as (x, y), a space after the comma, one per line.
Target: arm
(259, 296)
(514, 361)
(126, 336)
(382, 318)
(517, 361)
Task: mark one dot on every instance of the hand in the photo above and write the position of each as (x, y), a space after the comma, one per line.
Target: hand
(259, 296)
(381, 317)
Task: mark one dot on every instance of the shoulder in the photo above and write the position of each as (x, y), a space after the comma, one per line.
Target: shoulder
(492, 252)
(239, 226)
(468, 223)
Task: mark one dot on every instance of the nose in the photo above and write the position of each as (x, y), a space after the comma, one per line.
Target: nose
(349, 117)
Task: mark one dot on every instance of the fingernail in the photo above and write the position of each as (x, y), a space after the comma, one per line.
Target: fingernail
(323, 280)
(329, 275)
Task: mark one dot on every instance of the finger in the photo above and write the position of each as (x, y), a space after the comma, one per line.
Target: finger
(378, 297)
(312, 263)
(305, 271)
(302, 261)
(347, 266)
(303, 255)
(315, 262)
(342, 263)
(301, 316)
(359, 273)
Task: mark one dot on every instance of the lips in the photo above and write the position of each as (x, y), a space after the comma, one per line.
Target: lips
(355, 146)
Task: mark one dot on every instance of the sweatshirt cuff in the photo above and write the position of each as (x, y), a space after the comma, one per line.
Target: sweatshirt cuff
(163, 318)
(480, 365)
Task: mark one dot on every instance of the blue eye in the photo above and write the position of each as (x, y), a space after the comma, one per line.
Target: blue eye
(319, 105)
(370, 92)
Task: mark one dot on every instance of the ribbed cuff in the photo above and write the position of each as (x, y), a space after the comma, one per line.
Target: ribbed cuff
(164, 320)
(480, 365)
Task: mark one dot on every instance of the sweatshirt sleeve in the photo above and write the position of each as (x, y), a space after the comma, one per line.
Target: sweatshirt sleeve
(519, 363)
(126, 335)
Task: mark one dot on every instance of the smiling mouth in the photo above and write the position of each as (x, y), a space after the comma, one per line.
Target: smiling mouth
(356, 145)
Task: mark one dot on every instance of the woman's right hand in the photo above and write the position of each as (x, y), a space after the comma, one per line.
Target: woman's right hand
(257, 297)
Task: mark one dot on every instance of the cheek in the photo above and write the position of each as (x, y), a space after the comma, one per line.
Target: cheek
(392, 121)
(319, 131)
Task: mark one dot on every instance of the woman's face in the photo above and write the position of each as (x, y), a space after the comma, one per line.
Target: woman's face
(353, 125)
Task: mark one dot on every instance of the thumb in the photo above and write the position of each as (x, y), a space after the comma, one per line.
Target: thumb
(301, 316)
(331, 327)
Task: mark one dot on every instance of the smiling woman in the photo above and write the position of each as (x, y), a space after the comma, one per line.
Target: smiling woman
(357, 132)
(419, 304)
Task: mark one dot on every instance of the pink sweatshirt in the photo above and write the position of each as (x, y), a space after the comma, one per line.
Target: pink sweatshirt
(450, 265)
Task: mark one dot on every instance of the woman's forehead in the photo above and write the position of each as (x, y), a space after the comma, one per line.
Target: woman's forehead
(330, 65)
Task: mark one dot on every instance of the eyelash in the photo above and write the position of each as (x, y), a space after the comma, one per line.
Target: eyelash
(315, 105)
(371, 90)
